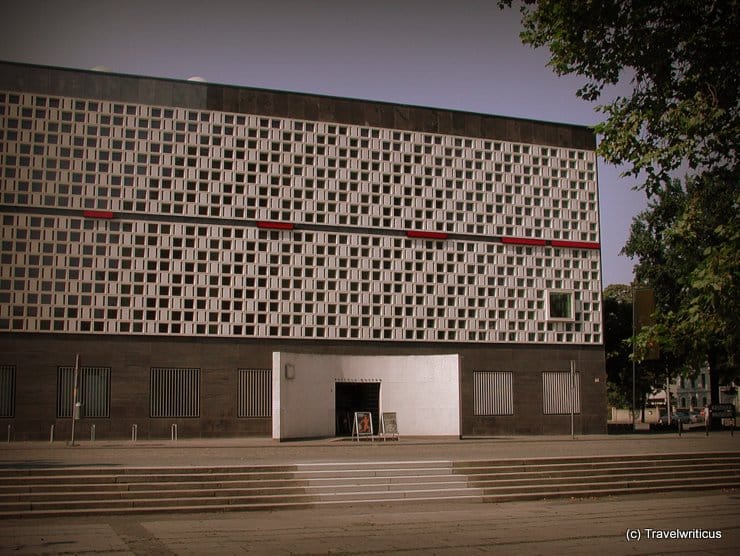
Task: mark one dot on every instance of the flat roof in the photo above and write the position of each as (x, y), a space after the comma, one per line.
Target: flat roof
(196, 95)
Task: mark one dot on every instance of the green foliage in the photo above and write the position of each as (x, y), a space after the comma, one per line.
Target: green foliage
(649, 375)
(683, 61)
(686, 244)
(617, 332)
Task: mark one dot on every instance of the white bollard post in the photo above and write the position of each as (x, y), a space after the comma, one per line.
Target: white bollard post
(134, 432)
(51, 434)
(173, 432)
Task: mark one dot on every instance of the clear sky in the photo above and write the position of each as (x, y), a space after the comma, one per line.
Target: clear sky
(462, 55)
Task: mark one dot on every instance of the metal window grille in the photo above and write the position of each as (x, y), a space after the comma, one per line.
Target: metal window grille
(556, 392)
(255, 393)
(93, 394)
(174, 392)
(7, 390)
(493, 393)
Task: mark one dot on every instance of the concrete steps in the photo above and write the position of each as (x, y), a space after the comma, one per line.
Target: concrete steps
(96, 491)
(601, 476)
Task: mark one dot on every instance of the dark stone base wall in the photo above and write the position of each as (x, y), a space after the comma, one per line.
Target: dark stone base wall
(36, 358)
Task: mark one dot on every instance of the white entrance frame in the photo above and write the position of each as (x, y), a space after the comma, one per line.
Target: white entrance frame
(423, 390)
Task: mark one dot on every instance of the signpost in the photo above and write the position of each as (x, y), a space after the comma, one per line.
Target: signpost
(75, 404)
(572, 398)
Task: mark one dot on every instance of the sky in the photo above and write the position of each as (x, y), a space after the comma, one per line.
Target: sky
(463, 55)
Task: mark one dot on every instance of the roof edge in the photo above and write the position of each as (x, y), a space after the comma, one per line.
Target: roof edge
(121, 87)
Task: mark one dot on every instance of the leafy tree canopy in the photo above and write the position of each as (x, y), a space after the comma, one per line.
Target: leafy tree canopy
(687, 244)
(683, 60)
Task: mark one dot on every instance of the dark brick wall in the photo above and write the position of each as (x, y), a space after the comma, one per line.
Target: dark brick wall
(202, 96)
(130, 358)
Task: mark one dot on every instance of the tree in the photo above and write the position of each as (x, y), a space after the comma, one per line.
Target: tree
(683, 60)
(618, 330)
(617, 334)
(687, 244)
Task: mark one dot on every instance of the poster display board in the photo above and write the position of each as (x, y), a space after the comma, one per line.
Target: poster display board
(389, 425)
(363, 425)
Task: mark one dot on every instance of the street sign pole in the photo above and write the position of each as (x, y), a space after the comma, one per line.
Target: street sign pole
(75, 407)
(634, 387)
(572, 398)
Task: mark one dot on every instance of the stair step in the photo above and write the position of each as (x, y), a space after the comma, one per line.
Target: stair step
(594, 460)
(523, 478)
(590, 493)
(231, 491)
(609, 485)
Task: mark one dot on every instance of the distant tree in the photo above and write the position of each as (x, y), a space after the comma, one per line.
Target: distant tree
(687, 246)
(617, 334)
(683, 114)
(618, 331)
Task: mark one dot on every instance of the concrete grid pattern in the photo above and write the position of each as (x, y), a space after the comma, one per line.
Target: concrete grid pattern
(183, 255)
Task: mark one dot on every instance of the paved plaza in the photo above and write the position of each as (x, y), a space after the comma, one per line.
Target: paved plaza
(252, 451)
(542, 527)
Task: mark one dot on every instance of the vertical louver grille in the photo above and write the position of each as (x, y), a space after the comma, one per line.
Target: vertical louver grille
(493, 393)
(255, 393)
(93, 394)
(174, 392)
(556, 393)
(7, 390)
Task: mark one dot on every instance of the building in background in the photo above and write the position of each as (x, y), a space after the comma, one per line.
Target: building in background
(239, 261)
(695, 393)
(691, 393)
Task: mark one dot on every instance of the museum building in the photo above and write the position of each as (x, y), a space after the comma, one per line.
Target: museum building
(237, 262)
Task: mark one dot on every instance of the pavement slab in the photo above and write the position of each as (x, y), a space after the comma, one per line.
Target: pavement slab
(573, 527)
(256, 451)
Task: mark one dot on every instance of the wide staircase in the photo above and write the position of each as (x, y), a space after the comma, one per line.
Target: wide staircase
(37, 492)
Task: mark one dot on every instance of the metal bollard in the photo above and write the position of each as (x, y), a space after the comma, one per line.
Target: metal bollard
(92, 433)
(173, 432)
(134, 432)
(51, 434)
(8, 433)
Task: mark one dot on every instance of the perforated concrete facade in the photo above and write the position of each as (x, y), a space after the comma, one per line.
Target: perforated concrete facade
(171, 240)
(157, 209)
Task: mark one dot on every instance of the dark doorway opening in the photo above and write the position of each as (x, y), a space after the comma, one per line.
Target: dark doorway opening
(355, 396)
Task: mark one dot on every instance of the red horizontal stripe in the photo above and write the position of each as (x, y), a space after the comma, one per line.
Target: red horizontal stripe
(98, 214)
(426, 235)
(523, 240)
(275, 225)
(575, 244)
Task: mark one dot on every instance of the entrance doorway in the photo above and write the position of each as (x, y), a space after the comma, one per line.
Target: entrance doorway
(355, 396)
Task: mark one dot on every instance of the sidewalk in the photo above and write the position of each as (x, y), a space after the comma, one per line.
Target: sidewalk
(266, 451)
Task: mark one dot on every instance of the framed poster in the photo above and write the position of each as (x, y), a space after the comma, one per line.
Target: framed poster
(389, 425)
(363, 424)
